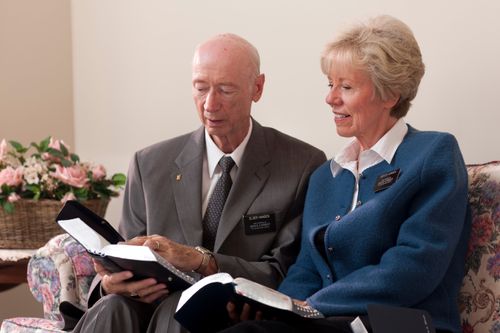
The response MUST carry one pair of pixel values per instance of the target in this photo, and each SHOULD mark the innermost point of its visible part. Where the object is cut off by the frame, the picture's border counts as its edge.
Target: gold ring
(157, 245)
(133, 295)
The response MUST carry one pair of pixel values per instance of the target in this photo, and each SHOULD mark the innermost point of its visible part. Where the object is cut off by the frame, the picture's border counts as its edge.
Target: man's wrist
(205, 261)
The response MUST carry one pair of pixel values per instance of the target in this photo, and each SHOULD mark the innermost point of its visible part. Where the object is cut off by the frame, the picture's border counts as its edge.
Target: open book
(202, 307)
(100, 240)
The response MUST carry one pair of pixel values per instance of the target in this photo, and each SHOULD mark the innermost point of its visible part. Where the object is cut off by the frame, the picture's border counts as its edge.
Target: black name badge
(259, 223)
(386, 180)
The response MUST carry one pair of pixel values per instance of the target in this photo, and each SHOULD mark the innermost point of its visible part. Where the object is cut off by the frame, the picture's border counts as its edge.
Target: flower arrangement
(48, 170)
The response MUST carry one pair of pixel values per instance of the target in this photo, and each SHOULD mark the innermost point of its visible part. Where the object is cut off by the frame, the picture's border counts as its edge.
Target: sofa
(62, 271)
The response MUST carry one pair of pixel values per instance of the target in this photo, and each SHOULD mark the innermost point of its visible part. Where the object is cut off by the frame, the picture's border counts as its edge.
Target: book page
(263, 294)
(134, 252)
(214, 278)
(84, 234)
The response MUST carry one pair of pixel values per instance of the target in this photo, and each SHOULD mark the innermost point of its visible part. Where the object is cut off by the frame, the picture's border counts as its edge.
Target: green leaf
(119, 179)
(8, 207)
(64, 150)
(37, 147)
(81, 193)
(75, 158)
(18, 147)
(66, 163)
(55, 152)
(33, 188)
(44, 144)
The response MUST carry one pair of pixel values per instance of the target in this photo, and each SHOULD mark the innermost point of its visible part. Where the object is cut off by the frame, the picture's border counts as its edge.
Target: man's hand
(184, 258)
(147, 290)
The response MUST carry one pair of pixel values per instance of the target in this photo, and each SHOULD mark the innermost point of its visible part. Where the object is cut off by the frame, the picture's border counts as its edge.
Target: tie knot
(226, 163)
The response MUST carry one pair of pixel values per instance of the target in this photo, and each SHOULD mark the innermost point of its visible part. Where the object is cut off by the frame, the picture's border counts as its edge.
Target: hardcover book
(100, 240)
(202, 307)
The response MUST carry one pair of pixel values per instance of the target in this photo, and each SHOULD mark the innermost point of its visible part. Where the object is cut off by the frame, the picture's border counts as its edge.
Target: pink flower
(68, 196)
(3, 149)
(74, 175)
(98, 172)
(55, 144)
(13, 197)
(11, 176)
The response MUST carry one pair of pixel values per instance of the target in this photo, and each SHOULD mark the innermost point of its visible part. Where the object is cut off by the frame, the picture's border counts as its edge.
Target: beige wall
(132, 69)
(35, 92)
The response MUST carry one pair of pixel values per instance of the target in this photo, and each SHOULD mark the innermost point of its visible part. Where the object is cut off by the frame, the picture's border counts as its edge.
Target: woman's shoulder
(429, 139)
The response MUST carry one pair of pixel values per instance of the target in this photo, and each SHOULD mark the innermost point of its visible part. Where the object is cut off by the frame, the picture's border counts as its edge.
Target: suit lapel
(187, 187)
(249, 181)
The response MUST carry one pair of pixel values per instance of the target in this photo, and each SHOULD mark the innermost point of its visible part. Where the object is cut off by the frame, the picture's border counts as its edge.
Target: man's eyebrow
(228, 84)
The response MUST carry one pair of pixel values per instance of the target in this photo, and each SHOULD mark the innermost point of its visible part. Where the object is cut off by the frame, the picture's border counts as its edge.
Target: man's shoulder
(166, 147)
(280, 140)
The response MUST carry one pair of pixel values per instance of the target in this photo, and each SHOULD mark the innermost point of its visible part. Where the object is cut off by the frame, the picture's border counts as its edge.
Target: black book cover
(101, 240)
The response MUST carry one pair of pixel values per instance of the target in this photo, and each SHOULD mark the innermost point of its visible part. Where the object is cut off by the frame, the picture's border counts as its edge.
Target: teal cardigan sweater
(402, 246)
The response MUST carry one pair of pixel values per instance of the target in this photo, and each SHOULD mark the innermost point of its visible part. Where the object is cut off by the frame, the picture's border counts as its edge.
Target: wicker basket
(33, 223)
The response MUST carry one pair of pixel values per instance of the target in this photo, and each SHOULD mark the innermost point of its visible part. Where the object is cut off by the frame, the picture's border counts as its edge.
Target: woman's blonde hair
(386, 48)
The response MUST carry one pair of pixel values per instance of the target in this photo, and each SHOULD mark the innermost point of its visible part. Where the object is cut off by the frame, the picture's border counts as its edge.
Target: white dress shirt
(211, 169)
(356, 161)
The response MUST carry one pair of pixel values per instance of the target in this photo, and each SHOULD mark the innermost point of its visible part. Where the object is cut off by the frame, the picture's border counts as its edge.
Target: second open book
(202, 307)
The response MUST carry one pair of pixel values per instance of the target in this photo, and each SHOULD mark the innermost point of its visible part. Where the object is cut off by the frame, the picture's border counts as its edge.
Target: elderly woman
(385, 221)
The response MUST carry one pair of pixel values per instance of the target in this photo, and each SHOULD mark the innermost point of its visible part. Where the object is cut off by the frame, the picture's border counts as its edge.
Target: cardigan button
(328, 276)
(330, 249)
(358, 203)
(337, 218)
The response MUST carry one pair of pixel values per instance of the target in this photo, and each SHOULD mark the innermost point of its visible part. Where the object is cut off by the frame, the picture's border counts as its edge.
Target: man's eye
(227, 92)
(346, 87)
(330, 85)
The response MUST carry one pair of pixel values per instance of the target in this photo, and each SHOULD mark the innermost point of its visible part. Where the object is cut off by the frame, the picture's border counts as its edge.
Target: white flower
(31, 175)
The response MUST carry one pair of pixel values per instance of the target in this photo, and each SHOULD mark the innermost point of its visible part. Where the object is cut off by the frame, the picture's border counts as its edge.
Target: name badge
(386, 180)
(259, 223)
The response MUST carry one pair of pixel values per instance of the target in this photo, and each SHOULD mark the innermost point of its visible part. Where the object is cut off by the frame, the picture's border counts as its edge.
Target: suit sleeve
(132, 222)
(272, 266)
(426, 244)
(133, 219)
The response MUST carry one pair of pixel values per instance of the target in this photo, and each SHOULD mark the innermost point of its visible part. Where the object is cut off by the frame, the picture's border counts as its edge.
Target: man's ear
(258, 87)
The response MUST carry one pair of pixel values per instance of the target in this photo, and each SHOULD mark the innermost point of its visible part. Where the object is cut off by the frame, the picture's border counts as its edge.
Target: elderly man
(226, 197)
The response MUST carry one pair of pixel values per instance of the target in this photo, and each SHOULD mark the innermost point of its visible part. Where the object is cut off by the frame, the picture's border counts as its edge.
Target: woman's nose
(333, 98)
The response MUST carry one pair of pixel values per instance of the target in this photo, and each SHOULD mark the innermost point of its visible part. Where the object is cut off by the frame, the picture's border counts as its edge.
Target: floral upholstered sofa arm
(60, 271)
(479, 298)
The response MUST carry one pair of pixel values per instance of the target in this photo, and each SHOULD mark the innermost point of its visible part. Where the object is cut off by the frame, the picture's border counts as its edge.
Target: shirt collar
(214, 154)
(384, 149)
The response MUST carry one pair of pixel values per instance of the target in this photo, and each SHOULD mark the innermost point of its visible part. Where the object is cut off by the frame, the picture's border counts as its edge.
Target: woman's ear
(391, 101)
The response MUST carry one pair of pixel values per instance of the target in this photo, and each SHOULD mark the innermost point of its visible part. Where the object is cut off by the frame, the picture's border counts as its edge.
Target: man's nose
(211, 103)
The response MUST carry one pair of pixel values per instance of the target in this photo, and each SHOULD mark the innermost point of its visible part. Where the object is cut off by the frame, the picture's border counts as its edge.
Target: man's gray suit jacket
(163, 196)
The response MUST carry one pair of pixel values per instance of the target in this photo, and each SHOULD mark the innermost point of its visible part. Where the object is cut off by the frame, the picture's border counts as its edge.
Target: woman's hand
(245, 313)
